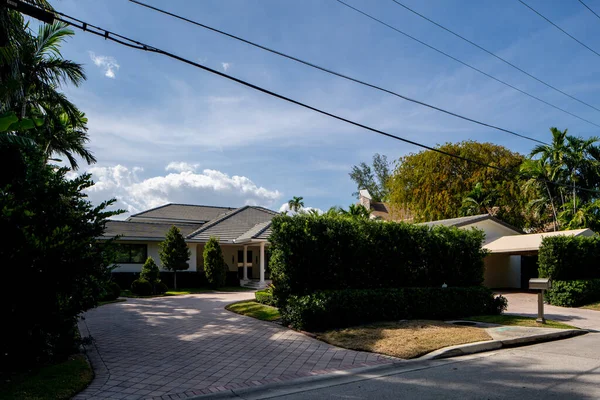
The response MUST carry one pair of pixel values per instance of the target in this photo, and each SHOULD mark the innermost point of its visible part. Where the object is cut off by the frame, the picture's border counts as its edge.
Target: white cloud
(211, 187)
(107, 63)
(226, 66)
(181, 166)
(286, 208)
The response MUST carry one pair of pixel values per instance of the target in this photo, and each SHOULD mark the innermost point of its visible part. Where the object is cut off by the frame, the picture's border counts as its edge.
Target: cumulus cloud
(181, 166)
(226, 66)
(285, 207)
(107, 63)
(210, 187)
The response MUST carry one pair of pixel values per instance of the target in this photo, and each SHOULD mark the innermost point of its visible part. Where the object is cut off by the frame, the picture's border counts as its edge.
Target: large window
(130, 253)
(241, 257)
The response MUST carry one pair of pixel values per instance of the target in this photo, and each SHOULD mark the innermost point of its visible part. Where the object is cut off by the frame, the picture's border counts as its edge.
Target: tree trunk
(175, 279)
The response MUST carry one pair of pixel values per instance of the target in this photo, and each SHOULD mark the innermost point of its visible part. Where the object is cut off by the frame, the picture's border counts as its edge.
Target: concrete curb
(436, 358)
(472, 348)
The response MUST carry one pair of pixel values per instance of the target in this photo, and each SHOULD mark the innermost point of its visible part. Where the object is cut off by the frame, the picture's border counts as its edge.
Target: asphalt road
(566, 369)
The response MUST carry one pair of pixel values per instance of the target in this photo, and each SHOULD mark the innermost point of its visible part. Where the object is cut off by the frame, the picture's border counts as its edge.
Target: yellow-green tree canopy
(434, 186)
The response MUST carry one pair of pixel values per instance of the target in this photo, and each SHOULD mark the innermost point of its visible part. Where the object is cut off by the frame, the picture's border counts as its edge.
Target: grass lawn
(54, 382)
(253, 309)
(516, 320)
(593, 306)
(404, 339)
(182, 291)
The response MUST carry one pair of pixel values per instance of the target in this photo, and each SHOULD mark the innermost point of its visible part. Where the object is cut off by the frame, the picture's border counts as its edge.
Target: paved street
(567, 369)
(190, 345)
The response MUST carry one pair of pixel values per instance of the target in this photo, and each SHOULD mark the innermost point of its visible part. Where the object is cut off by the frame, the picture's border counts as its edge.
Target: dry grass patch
(404, 339)
(593, 306)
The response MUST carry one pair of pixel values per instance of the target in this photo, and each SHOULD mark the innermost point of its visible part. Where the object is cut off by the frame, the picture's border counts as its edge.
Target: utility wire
(588, 7)
(497, 56)
(462, 62)
(338, 74)
(560, 29)
(108, 35)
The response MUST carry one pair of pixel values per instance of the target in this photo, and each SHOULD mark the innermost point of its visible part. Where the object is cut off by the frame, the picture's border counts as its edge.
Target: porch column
(262, 263)
(245, 263)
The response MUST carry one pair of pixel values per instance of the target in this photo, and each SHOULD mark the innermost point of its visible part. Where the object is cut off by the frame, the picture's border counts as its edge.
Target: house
(242, 233)
(381, 210)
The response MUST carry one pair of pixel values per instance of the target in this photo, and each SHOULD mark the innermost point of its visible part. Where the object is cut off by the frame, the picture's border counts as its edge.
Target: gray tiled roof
(462, 221)
(234, 224)
(183, 212)
(145, 230)
(258, 231)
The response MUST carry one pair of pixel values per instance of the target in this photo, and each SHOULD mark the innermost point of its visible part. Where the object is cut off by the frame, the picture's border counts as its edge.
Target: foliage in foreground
(342, 308)
(214, 263)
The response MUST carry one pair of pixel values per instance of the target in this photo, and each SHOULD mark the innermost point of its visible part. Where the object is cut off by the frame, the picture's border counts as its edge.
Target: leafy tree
(50, 247)
(296, 203)
(356, 211)
(373, 178)
(433, 186)
(479, 201)
(214, 263)
(150, 271)
(174, 253)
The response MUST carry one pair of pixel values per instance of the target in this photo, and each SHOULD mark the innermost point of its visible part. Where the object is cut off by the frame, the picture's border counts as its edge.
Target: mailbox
(540, 283)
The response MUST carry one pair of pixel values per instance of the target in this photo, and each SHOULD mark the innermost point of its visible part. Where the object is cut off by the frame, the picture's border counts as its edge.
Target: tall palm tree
(296, 203)
(535, 187)
(479, 201)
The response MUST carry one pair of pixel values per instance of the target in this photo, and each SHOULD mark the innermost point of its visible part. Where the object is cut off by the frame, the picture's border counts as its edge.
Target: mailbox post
(540, 284)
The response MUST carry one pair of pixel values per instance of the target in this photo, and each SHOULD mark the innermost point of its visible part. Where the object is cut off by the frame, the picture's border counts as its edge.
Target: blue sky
(163, 131)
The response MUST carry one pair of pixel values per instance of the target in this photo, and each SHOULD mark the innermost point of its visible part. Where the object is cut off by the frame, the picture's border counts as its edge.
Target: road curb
(479, 347)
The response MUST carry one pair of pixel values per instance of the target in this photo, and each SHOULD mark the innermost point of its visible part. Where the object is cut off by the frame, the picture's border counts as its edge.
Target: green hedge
(342, 308)
(566, 258)
(574, 293)
(327, 253)
(265, 297)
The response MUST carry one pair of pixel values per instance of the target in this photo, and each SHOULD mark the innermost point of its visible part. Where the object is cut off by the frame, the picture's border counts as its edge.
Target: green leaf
(6, 120)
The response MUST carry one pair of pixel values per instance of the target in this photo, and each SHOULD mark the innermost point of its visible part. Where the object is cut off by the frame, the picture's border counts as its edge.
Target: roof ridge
(265, 209)
(216, 221)
(199, 205)
(151, 209)
(263, 229)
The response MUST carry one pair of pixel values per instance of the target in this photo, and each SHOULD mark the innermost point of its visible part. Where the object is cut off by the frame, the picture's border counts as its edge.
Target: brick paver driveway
(178, 347)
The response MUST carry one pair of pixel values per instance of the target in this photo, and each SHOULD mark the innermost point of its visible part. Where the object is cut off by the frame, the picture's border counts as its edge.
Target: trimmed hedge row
(342, 308)
(185, 279)
(573, 293)
(311, 254)
(265, 297)
(566, 258)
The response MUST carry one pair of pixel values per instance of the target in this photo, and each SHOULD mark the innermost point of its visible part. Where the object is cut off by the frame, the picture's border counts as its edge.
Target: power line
(338, 74)
(560, 29)
(463, 63)
(588, 7)
(124, 40)
(497, 56)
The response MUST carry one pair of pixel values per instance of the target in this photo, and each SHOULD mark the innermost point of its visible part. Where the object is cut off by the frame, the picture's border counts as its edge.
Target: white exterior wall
(493, 230)
(502, 271)
(153, 250)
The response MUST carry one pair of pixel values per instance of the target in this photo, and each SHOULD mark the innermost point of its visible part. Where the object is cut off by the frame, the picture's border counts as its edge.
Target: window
(241, 257)
(130, 253)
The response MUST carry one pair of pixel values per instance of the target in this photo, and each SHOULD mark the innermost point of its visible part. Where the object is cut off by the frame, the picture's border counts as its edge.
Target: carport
(513, 259)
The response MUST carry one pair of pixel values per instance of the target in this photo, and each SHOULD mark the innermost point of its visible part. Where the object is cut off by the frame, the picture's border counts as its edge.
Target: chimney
(364, 198)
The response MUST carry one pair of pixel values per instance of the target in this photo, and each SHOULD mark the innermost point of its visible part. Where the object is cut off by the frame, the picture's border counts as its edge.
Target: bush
(214, 264)
(573, 293)
(112, 291)
(342, 308)
(310, 253)
(566, 258)
(160, 288)
(265, 296)
(141, 287)
(150, 271)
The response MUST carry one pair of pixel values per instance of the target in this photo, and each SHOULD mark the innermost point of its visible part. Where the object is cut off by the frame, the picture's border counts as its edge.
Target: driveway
(178, 347)
(526, 304)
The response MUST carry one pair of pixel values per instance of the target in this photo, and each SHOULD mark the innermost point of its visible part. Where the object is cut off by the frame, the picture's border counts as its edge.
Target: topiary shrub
(160, 288)
(150, 271)
(573, 293)
(141, 287)
(214, 263)
(265, 296)
(342, 308)
(111, 291)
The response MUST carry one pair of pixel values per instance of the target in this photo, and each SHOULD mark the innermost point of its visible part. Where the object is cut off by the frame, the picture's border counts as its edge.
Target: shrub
(141, 287)
(112, 291)
(174, 253)
(565, 258)
(310, 253)
(341, 308)
(160, 288)
(214, 264)
(573, 293)
(150, 271)
(265, 296)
